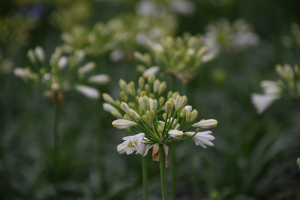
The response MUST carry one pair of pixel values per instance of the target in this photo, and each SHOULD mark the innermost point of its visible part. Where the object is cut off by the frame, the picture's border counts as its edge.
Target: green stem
(56, 147)
(173, 170)
(145, 177)
(162, 172)
(194, 175)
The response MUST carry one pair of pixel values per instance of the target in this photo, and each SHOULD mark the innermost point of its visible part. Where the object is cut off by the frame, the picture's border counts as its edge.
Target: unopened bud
(161, 101)
(123, 85)
(124, 96)
(180, 102)
(118, 104)
(147, 88)
(116, 114)
(165, 116)
(141, 68)
(144, 118)
(146, 102)
(188, 117)
(151, 78)
(31, 56)
(135, 115)
(150, 114)
(194, 115)
(142, 104)
(170, 93)
(168, 107)
(151, 95)
(127, 117)
(174, 95)
(125, 108)
(131, 105)
(40, 54)
(298, 162)
(108, 98)
(172, 101)
(131, 88)
(162, 88)
(155, 104)
(141, 83)
(156, 85)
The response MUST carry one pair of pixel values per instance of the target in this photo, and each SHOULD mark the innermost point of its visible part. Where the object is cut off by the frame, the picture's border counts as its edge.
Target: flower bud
(150, 115)
(131, 88)
(123, 85)
(180, 103)
(143, 93)
(40, 54)
(127, 117)
(31, 56)
(194, 115)
(144, 118)
(118, 104)
(183, 112)
(108, 98)
(151, 95)
(99, 79)
(168, 107)
(131, 105)
(135, 115)
(165, 116)
(124, 96)
(62, 62)
(147, 88)
(188, 117)
(151, 78)
(155, 104)
(151, 70)
(174, 95)
(122, 123)
(156, 85)
(89, 92)
(141, 68)
(162, 88)
(161, 101)
(210, 123)
(116, 114)
(170, 93)
(146, 102)
(142, 104)
(86, 68)
(125, 108)
(298, 162)
(141, 83)
(172, 101)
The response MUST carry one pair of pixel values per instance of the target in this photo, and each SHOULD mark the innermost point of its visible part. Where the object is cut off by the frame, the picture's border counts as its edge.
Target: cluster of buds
(289, 84)
(151, 120)
(237, 36)
(294, 38)
(63, 74)
(181, 57)
(120, 35)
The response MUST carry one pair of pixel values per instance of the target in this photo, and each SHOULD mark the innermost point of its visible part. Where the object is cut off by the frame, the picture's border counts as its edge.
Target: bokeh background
(254, 157)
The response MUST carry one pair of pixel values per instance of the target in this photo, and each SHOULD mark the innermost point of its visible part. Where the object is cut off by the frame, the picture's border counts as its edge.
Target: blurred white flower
(40, 54)
(146, 8)
(62, 62)
(263, 101)
(99, 79)
(116, 55)
(202, 138)
(86, 68)
(183, 7)
(151, 70)
(89, 92)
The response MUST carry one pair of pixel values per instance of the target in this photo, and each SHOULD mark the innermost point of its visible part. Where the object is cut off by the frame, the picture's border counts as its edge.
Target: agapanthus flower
(152, 121)
(63, 73)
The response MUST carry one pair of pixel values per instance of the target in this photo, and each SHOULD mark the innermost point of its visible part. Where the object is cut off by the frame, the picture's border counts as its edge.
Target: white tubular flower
(209, 123)
(88, 91)
(99, 79)
(263, 101)
(176, 134)
(125, 108)
(86, 68)
(151, 70)
(131, 143)
(202, 138)
(39, 53)
(122, 123)
(62, 62)
(108, 107)
(270, 87)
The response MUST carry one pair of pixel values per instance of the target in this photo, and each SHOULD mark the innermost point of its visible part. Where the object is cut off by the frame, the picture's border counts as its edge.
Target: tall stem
(162, 172)
(194, 175)
(55, 141)
(173, 156)
(145, 177)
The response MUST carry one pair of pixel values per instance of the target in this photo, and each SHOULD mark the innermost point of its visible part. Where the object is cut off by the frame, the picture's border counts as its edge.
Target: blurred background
(254, 157)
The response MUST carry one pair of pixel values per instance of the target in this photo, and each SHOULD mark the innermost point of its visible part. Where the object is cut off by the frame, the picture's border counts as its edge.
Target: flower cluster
(63, 74)
(237, 36)
(289, 84)
(152, 121)
(121, 35)
(181, 57)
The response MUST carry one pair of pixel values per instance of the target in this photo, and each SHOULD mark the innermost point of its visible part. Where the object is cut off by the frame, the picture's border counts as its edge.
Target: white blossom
(202, 138)
(99, 79)
(89, 92)
(122, 123)
(151, 70)
(209, 123)
(176, 134)
(131, 144)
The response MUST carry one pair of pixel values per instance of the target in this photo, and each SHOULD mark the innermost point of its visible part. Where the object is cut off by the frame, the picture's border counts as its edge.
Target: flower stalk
(145, 176)
(55, 144)
(163, 172)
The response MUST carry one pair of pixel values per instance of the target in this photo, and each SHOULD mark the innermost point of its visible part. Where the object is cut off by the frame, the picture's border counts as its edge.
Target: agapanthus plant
(63, 73)
(288, 86)
(154, 123)
(181, 57)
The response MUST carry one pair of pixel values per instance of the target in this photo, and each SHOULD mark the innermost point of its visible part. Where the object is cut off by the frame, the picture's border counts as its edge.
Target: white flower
(270, 87)
(86, 68)
(23, 73)
(39, 53)
(18, 72)
(209, 123)
(99, 79)
(151, 70)
(202, 138)
(263, 101)
(116, 55)
(176, 134)
(131, 143)
(122, 123)
(88, 91)
(183, 7)
(141, 149)
(62, 62)
(108, 107)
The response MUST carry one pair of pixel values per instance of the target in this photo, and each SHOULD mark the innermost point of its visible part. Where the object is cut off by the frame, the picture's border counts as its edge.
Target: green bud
(156, 85)
(175, 95)
(141, 83)
(183, 112)
(150, 114)
(116, 114)
(151, 78)
(188, 116)
(123, 85)
(146, 102)
(127, 117)
(172, 101)
(108, 98)
(168, 107)
(162, 87)
(165, 116)
(170, 93)
(142, 104)
(147, 88)
(131, 88)
(298, 162)
(296, 69)
(31, 56)
(141, 68)
(131, 105)
(43, 71)
(160, 129)
(118, 104)
(180, 102)
(135, 115)
(194, 115)
(161, 101)
(143, 93)
(155, 104)
(144, 118)
(124, 96)
(151, 95)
